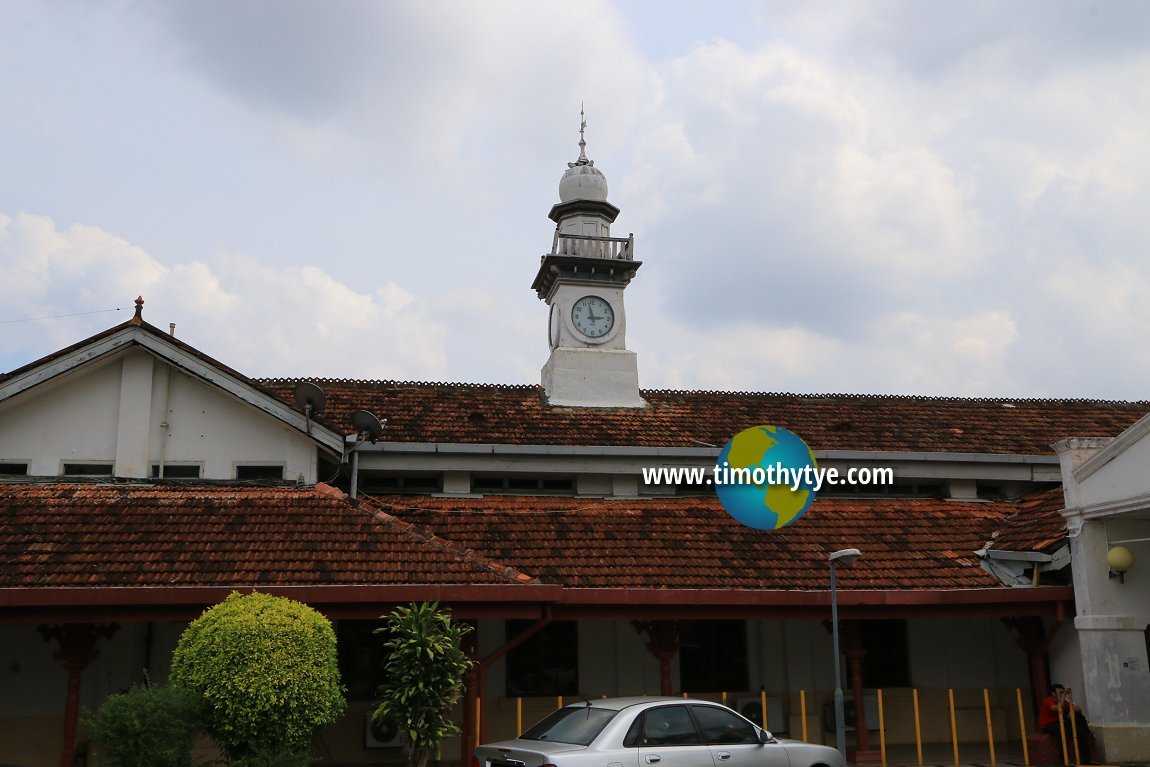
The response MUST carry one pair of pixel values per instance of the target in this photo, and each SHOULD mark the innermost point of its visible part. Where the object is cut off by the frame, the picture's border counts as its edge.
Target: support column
(77, 643)
(854, 651)
(663, 643)
(472, 686)
(1114, 653)
(1034, 639)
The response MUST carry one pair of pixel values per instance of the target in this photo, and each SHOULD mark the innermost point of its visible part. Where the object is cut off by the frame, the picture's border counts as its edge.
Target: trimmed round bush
(265, 670)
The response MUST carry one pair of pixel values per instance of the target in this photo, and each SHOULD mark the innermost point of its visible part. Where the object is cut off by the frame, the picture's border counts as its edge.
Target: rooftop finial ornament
(139, 316)
(582, 143)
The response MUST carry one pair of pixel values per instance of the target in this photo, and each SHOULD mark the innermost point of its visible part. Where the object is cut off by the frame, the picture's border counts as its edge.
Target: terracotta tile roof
(75, 535)
(479, 413)
(690, 543)
(1036, 525)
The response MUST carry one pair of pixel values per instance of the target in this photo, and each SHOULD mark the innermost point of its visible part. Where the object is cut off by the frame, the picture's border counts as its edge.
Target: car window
(669, 726)
(723, 727)
(573, 724)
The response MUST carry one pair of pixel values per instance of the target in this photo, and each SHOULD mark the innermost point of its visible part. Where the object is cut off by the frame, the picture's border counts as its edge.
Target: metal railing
(615, 248)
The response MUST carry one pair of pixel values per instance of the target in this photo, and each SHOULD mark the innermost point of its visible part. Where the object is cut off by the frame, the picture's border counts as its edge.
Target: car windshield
(577, 725)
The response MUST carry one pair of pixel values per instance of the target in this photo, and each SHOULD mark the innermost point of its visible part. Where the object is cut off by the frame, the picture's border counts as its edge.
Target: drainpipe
(354, 472)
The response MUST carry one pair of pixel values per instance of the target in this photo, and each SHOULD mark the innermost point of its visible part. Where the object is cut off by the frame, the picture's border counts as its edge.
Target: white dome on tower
(582, 181)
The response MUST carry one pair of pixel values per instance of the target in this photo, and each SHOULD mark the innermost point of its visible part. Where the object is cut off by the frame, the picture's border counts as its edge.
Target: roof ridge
(799, 396)
(426, 535)
(280, 380)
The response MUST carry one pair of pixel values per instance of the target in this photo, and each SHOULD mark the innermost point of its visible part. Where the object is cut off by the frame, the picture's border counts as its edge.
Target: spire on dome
(582, 142)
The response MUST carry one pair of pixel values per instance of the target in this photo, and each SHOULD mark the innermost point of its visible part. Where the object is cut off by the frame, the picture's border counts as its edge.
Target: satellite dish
(366, 425)
(310, 398)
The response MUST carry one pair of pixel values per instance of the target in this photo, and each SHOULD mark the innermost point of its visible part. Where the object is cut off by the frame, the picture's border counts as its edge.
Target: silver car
(641, 732)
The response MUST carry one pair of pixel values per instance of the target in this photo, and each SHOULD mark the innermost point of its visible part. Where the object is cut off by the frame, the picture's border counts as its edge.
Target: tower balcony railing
(616, 248)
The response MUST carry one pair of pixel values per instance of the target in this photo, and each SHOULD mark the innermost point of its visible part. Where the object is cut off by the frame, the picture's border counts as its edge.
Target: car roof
(618, 704)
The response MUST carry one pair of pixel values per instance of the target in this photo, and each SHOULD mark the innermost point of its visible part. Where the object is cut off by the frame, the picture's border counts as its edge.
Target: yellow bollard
(684, 696)
(803, 711)
(559, 701)
(917, 727)
(724, 698)
(953, 726)
(1073, 726)
(1022, 727)
(1062, 729)
(763, 707)
(518, 716)
(989, 724)
(881, 730)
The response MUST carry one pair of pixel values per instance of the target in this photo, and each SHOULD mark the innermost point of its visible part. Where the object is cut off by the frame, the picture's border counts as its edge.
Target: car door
(733, 741)
(666, 736)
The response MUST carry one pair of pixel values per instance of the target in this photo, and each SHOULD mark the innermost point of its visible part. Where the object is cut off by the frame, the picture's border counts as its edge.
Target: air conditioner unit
(752, 708)
(377, 735)
(870, 702)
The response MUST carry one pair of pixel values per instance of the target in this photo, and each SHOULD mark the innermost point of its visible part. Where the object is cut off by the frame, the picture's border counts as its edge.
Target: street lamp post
(843, 557)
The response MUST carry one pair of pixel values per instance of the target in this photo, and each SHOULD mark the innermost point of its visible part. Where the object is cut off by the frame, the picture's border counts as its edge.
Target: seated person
(1048, 722)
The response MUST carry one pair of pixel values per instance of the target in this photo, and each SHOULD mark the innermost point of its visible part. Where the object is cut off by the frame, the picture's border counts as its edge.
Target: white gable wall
(113, 411)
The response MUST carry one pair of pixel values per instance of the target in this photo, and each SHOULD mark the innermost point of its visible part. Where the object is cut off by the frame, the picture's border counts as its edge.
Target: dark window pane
(547, 663)
(713, 656)
(14, 469)
(361, 656)
(87, 470)
(723, 728)
(177, 471)
(259, 472)
(886, 661)
(579, 725)
(669, 726)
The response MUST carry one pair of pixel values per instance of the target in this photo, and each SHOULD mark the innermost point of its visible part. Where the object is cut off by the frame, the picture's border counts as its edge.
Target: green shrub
(146, 727)
(423, 678)
(265, 670)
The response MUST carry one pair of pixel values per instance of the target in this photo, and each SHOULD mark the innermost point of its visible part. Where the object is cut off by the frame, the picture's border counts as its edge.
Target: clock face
(553, 327)
(593, 316)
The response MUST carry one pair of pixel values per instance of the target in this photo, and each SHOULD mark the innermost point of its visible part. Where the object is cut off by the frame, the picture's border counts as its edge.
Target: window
(723, 728)
(669, 726)
(402, 483)
(909, 490)
(361, 657)
(14, 469)
(578, 725)
(886, 661)
(530, 485)
(256, 471)
(88, 469)
(177, 471)
(547, 663)
(713, 656)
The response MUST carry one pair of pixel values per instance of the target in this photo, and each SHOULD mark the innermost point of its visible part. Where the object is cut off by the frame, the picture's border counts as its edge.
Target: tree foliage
(265, 670)
(423, 677)
(146, 727)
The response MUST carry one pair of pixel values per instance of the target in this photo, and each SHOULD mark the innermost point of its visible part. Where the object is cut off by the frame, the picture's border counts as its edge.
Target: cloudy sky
(876, 197)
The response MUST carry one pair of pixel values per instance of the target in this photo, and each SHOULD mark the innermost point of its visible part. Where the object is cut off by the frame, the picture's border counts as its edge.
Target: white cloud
(263, 320)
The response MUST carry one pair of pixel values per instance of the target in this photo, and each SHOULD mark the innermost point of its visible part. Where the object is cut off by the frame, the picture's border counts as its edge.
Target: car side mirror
(765, 736)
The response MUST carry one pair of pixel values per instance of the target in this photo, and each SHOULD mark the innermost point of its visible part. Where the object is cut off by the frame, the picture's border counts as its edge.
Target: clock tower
(582, 280)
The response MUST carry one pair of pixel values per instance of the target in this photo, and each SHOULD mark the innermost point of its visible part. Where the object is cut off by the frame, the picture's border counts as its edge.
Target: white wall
(88, 414)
